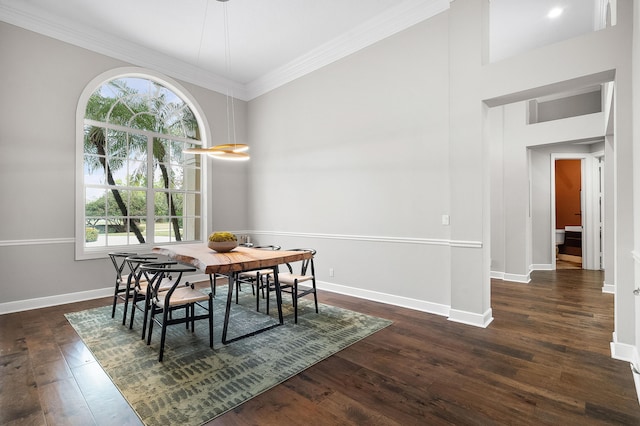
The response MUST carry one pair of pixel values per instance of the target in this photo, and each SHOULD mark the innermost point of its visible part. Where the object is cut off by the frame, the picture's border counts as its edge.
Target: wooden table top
(240, 259)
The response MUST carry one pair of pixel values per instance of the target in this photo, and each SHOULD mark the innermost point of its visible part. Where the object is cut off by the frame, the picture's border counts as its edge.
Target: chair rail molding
(39, 241)
(373, 238)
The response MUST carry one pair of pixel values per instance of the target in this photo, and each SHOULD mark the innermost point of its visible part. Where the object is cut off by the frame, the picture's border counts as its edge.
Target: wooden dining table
(230, 263)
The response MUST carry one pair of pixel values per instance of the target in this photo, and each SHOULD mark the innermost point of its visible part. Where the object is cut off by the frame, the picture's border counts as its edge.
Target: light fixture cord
(204, 22)
(231, 118)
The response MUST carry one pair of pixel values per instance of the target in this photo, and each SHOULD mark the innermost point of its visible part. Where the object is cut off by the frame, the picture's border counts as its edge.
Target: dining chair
(122, 276)
(141, 292)
(257, 278)
(289, 281)
(177, 298)
(132, 279)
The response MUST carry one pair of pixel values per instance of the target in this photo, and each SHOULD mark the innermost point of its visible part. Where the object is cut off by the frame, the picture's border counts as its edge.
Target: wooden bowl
(222, 246)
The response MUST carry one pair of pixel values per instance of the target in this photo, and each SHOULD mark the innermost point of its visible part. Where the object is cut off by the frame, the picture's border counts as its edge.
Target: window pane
(191, 205)
(161, 234)
(138, 147)
(94, 170)
(137, 173)
(117, 142)
(139, 225)
(117, 202)
(138, 203)
(177, 200)
(95, 202)
(161, 204)
(117, 162)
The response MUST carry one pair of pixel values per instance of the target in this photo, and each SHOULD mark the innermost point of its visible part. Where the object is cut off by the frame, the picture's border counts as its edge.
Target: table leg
(227, 312)
(276, 284)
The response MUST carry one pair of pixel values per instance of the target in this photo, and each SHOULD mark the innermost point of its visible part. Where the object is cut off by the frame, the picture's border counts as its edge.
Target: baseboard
(390, 299)
(525, 279)
(471, 318)
(623, 351)
(629, 353)
(608, 288)
(60, 299)
(517, 278)
(497, 275)
(542, 267)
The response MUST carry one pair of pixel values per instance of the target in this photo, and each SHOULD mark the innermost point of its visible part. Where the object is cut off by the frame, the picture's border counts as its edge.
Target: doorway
(576, 201)
(568, 212)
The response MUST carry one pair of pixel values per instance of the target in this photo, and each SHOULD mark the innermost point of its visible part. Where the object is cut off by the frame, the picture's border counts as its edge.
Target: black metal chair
(138, 286)
(177, 298)
(122, 277)
(289, 282)
(257, 278)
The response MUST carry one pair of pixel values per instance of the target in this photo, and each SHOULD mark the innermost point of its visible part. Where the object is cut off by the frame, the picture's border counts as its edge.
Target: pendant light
(231, 150)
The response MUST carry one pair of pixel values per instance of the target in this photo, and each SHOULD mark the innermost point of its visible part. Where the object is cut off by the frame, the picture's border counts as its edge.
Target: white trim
(91, 38)
(394, 20)
(34, 242)
(390, 299)
(401, 240)
(59, 299)
(623, 351)
(497, 275)
(372, 238)
(471, 318)
(542, 267)
(608, 288)
(517, 278)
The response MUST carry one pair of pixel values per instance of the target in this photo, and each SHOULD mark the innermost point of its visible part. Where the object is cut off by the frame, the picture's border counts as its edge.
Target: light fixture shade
(235, 147)
(197, 150)
(228, 155)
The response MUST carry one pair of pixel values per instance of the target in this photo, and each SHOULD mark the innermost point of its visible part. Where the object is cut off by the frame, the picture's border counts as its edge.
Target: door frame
(589, 206)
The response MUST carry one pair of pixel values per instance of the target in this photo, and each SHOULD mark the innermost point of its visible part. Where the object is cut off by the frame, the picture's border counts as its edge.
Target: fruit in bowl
(222, 242)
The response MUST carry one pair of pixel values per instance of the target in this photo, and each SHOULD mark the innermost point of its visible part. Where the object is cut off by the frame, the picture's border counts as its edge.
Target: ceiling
(270, 42)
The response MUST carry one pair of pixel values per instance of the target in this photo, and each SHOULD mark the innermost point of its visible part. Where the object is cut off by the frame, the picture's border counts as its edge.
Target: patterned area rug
(194, 383)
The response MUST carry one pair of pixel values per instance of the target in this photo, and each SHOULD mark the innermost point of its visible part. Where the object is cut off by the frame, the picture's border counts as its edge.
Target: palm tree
(152, 111)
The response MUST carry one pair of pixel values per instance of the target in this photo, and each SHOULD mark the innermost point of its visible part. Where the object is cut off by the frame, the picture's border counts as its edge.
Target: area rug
(194, 383)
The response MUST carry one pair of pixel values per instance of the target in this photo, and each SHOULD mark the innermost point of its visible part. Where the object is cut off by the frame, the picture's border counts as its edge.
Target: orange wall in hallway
(568, 182)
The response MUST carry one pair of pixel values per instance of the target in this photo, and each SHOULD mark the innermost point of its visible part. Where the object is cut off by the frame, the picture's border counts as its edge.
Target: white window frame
(81, 251)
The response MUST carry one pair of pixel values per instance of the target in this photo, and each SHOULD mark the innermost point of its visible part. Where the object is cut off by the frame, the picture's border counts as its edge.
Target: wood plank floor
(545, 360)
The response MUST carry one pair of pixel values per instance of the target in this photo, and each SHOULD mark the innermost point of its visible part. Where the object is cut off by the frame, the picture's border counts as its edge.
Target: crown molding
(115, 47)
(396, 19)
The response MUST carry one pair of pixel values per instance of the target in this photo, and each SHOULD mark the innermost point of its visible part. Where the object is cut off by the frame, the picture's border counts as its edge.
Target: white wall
(353, 161)
(41, 80)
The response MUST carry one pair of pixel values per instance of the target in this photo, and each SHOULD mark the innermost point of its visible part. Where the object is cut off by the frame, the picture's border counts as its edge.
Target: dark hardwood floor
(544, 360)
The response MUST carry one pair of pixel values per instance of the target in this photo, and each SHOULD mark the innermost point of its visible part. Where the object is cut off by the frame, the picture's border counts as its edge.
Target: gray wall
(357, 155)
(41, 80)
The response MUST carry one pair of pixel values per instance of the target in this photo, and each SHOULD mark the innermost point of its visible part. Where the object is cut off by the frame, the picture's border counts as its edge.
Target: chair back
(157, 271)
(119, 262)
(269, 247)
(305, 263)
(134, 263)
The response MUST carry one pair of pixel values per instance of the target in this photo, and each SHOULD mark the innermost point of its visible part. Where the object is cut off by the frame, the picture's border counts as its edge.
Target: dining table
(230, 263)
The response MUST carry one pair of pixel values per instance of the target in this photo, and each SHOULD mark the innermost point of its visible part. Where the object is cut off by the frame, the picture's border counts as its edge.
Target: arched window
(137, 186)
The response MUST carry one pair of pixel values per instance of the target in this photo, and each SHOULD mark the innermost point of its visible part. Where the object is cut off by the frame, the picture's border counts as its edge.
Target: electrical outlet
(330, 272)
(445, 219)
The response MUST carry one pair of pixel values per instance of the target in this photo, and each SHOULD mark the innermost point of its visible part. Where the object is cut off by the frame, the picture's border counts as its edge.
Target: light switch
(445, 219)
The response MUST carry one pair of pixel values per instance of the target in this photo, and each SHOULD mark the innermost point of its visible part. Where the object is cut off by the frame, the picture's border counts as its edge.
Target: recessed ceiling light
(555, 12)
